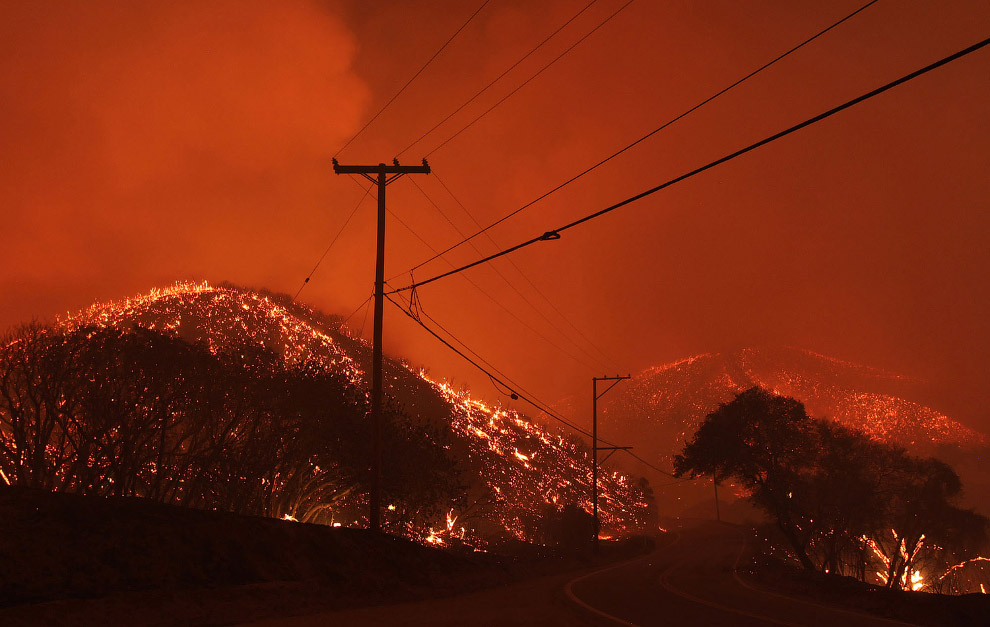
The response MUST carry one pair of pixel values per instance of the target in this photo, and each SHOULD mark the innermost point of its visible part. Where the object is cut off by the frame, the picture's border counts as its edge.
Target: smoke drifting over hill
(145, 143)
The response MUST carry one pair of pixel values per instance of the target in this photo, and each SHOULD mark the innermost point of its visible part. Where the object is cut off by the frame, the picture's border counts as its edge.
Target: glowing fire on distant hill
(664, 405)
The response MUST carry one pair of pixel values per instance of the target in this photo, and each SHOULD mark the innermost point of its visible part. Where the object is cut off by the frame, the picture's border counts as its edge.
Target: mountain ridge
(520, 470)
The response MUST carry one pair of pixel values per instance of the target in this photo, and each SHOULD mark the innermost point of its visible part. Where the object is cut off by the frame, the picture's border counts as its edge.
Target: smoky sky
(145, 143)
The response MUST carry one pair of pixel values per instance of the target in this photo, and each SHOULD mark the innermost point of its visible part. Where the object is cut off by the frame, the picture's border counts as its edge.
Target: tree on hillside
(845, 504)
(844, 497)
(764, 441)
(105, 411)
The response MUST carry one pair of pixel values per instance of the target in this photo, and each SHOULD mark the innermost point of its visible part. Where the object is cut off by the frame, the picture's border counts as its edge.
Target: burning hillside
(668, 402)
(516, 471)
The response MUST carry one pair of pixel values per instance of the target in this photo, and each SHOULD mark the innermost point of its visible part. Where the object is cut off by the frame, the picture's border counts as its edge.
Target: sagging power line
(332, 242)
(518, 292)
(644, 137)
(414, 76)
(491, 371)
(567, 319)
(554, 234)
(530, 79)
(496, 79)
(517, 390)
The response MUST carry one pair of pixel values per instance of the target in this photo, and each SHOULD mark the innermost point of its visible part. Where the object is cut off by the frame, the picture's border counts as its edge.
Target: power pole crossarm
(395, 168)
(379, 175)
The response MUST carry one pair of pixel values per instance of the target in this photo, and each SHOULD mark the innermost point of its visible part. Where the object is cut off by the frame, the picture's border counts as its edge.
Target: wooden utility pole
(594, 443)
(384, 174)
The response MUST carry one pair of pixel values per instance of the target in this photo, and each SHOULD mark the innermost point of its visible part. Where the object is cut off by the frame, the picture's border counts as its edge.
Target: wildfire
(552, 470)
(663, 405)
(434, 539)
(524, 467)
(956, 567)
(222, 317)
(917, 582)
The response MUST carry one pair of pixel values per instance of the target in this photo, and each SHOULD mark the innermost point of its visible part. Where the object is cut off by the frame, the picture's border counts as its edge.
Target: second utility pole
(594, 443)
(377, 390)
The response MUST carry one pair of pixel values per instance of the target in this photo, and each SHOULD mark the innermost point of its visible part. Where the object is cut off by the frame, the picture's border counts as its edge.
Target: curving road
(689, 580)
(693, 581)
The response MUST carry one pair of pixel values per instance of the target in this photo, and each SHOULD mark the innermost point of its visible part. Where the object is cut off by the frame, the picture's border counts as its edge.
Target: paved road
(693, 581)
(689, 580)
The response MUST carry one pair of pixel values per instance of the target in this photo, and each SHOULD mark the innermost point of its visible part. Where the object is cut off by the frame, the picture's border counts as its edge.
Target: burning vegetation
(843, 502)
(225, 398)
(667, 403)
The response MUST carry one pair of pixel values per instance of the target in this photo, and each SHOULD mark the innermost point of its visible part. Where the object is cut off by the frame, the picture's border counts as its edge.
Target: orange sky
(145, 143)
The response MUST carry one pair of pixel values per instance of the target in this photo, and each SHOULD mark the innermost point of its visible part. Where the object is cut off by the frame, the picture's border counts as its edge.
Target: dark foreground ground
(72, 560)
(698, 575)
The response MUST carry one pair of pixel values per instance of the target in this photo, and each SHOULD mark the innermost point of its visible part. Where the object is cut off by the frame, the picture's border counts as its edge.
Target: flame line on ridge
(538, 406)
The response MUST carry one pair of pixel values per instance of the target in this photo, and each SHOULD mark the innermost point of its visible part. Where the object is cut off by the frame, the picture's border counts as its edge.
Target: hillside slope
(517, 470)
(668, 402)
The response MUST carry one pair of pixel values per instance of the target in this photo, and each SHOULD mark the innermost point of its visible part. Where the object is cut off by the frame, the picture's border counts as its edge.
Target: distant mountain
(517, 470)
(661, 407)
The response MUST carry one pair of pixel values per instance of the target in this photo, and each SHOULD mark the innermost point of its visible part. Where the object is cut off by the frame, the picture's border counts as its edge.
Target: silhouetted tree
(143, 413)
(844, 497)
(842, 501)
(764, 441)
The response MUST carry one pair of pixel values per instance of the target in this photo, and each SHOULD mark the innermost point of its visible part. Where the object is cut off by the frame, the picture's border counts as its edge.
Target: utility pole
(594, 443)
(382, 178)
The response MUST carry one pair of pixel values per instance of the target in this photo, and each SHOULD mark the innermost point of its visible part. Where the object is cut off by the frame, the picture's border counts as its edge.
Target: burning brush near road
(223, 398)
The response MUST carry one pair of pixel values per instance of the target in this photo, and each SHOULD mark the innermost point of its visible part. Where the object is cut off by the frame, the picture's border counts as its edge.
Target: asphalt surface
(693, 581)
(690, 579)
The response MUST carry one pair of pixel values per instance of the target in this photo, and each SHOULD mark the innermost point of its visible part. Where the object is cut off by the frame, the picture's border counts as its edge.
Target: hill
(517, 473)
(661, 407)
(669, 401)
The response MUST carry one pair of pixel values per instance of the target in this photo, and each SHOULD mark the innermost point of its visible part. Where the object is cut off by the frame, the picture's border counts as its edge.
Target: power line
(513, 287)
(496, 79)
(494, 300)
(648, 135)
(539, 405)
(565, 318)
(364, 322)
(409, 82)
(510, 385)
(555, 233)
(530, 79)
(365, 301)
(399, 220)
(503, 380)
(332, 242)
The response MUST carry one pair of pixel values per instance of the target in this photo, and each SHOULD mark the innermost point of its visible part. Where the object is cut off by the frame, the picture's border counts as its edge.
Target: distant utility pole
(594, 443)
(381, 179)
